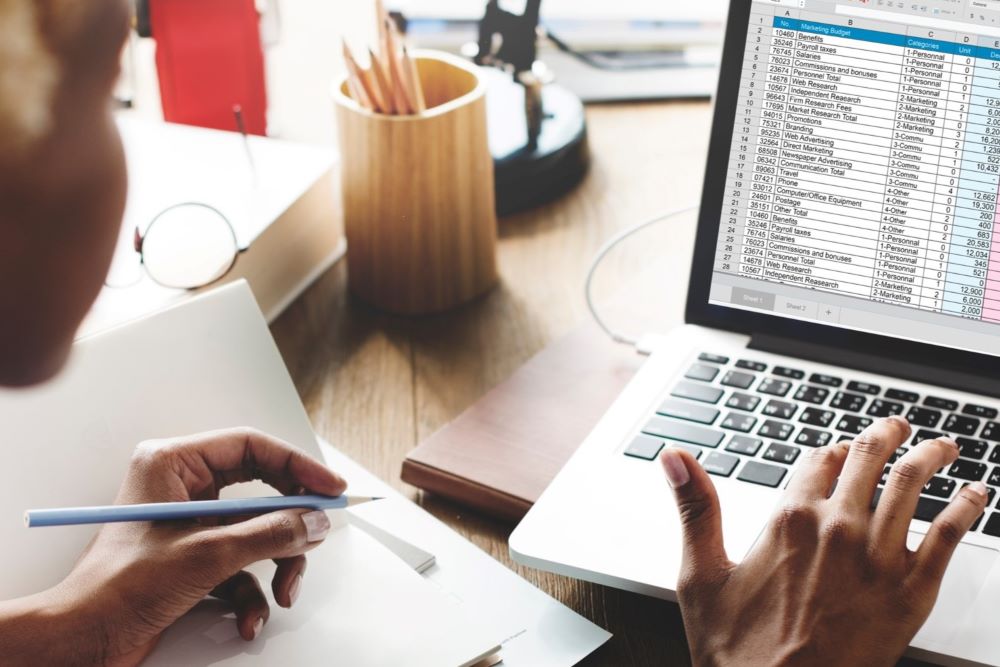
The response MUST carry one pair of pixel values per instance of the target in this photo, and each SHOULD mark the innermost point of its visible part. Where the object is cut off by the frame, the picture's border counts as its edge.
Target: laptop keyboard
(745, 419)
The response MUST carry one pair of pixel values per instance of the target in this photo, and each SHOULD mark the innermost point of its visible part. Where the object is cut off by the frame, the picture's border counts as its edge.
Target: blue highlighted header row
(892, 39)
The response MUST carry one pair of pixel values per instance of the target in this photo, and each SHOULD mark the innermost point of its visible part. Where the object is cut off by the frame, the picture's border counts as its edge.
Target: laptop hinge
(926, 373)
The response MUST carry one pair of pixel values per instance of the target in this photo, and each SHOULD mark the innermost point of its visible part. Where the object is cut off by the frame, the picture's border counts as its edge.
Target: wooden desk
(376, 386)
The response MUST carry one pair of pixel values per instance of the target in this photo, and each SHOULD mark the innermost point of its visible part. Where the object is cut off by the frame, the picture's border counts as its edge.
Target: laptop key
(644, 447)
(995, 455)
(697, 392)
(923, 434)
(780, 409)
(880, 408)
(751, 365)
(939, 487)
(902, 395)
(720, 464)
(745, 402)
(992, 526)
(683, 432)
(979, 411)
(774, 387)
(991, 432)
(843, 400)
(775, 430)
(898, 454)
(815, 417)
(791, 373)
(737, 422)
(864, 388)
(941, 403)
(970, 471)
(853, 425)
(816, 395)
(825, 380)
(973, 449)
(713, 358)
(696, 452)
(927, 508)
(782, 453)
(692, 412)
(961, 425)
(756, 472)
(810, 437)
(702, 372)
(923, 417)
(994, 478)
(738, 379)
(743, 444)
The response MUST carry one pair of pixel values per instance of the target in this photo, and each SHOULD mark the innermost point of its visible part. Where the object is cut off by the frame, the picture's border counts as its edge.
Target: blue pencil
(192, 509)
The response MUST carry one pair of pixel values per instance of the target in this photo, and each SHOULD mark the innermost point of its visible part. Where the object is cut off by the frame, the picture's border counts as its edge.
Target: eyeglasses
(186, 246)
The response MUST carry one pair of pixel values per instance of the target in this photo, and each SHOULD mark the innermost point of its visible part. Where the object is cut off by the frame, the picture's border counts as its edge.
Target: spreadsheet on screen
(864, 171)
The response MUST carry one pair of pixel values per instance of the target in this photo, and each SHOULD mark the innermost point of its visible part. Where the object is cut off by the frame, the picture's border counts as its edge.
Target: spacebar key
(671, 430)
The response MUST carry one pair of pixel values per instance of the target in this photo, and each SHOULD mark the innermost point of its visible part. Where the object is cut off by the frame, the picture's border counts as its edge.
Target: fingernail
(899, 419)
(677, 473)
(317, 525)
(258, 625)
(979, 489)
(293, 590)
(949, 440)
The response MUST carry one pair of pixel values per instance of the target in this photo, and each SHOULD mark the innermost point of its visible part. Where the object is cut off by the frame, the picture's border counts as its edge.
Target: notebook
(185, 370)
(211, 363)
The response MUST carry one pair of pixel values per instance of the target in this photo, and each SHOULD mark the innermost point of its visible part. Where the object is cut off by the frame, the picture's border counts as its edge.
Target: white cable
(599, 257)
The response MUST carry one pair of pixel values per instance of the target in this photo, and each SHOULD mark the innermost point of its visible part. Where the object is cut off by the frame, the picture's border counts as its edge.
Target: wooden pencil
(403, 96)
(381, 16)
(383, 84)
(358, 92)
(365, 81)
(413, 82)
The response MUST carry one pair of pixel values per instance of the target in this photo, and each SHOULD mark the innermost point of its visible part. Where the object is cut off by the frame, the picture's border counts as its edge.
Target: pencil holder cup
(418, 194)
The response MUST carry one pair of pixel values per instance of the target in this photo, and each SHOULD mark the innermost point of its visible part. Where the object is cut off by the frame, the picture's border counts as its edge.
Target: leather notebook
(500, 454)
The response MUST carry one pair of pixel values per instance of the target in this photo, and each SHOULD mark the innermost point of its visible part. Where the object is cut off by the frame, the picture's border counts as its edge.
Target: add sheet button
(796, 307)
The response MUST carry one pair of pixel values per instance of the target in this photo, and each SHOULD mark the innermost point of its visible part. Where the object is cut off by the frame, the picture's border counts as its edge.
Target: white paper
(359, 605)
(537, 629)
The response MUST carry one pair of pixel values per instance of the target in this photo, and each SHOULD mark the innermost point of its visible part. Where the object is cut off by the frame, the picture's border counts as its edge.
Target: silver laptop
(846, 268)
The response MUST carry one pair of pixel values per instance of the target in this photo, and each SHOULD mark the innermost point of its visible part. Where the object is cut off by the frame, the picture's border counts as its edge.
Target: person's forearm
(43, 630)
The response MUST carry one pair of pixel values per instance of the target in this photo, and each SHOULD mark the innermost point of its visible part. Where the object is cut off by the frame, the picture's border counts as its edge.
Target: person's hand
(829, 581)
(136, 579)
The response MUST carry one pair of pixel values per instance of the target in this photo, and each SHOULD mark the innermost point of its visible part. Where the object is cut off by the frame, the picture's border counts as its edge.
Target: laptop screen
(862, 182)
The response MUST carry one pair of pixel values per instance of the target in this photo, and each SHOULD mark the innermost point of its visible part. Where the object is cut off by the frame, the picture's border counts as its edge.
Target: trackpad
(964, 580)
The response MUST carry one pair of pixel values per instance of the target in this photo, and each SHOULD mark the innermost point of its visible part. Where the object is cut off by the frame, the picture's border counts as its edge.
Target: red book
(209, 59)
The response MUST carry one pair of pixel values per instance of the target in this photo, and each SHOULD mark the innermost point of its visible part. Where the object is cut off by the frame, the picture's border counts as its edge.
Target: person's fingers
(277, 535)
(287, 580)
(216, 459)
(907, 478)
(701, 518)
(866, 459)
(243, 591)
(817, 473)
(947, 531)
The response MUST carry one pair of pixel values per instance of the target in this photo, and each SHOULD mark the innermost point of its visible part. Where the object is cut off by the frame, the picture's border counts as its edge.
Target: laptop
(846, 268)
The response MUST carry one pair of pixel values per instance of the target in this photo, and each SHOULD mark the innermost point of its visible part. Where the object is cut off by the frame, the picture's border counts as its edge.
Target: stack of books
(282, 199)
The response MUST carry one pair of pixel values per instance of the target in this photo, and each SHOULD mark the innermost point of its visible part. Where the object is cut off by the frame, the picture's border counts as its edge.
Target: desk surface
(376, 385)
